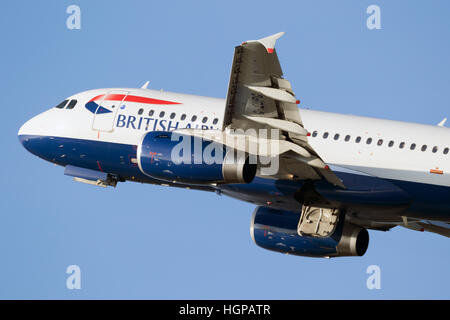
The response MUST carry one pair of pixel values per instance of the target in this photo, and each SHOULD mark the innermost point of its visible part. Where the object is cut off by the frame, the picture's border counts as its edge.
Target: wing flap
(260, 98)
(284, 125)
(275, 94)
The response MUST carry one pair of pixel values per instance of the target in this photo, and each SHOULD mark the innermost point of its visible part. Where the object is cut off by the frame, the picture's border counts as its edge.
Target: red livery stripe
(129, 98)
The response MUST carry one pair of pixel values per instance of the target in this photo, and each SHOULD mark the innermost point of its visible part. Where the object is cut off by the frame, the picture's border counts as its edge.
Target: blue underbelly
(361, 190)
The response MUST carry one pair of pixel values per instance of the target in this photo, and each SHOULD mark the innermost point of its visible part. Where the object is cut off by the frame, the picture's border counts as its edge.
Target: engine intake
(276, 230)
(182, 158)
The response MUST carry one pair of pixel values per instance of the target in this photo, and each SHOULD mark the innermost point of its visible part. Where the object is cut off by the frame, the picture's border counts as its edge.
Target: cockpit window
(62, 104)
(71, 104)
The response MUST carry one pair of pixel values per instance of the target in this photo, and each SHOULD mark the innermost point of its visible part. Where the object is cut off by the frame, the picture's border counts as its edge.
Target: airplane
(319, 181)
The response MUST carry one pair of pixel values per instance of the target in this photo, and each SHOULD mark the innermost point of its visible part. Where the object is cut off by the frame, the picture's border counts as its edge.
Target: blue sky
(142, 241)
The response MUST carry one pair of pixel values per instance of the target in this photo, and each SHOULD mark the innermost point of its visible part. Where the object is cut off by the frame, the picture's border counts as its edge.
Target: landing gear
(317, 218)
(110, 180)
(317, 222)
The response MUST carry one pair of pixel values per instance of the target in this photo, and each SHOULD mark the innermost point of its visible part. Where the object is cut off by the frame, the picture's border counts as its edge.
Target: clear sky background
(143, 241)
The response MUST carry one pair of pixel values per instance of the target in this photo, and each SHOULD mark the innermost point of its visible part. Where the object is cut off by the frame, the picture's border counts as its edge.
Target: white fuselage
(126, 125)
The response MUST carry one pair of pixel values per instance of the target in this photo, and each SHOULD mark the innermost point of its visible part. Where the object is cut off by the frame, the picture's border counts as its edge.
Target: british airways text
(152, 124)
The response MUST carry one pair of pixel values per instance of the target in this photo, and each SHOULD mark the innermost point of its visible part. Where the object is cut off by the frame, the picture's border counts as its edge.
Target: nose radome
(35, 134)
(25, 129)
(23, 134)
(22, 129)
(31, 138)
(34, 126)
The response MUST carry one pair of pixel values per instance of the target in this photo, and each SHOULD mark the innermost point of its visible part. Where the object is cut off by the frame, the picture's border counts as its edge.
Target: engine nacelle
(276, 230)
(182, 158)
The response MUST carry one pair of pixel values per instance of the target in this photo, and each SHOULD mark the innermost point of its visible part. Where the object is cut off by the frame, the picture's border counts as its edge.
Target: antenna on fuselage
(442, 123)
(145, 85)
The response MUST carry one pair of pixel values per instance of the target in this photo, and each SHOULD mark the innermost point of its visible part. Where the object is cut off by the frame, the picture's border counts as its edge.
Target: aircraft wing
(260, 98)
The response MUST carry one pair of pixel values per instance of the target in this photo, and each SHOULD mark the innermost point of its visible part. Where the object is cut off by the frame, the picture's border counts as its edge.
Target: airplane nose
(24, 133)
(33, 127)
(35, 138)
(26, 129)
(29, 135)
(21, 131)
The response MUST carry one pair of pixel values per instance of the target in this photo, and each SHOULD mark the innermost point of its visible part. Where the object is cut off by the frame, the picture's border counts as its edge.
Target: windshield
(62, 104)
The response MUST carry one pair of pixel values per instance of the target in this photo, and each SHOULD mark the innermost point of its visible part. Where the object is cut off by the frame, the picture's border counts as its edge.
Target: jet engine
(277, 230)
(181, 158)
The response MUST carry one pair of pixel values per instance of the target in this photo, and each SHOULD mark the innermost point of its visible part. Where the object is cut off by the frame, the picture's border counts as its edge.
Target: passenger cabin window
(369, 140)
(401, 145)
(445, 150)
(435, 149)
(151, 112)
(325, 135)
(204, 119)
(172, 115)
(194, 118)
(424, 148)
(413, 146)
(161, 114)
(336, 136)
(347, 138)
(314, 134)
(215, 121)
(391, 143)
(62, 104)
(380, 142)
(358, 139)
(141, 111)
(183, 116)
